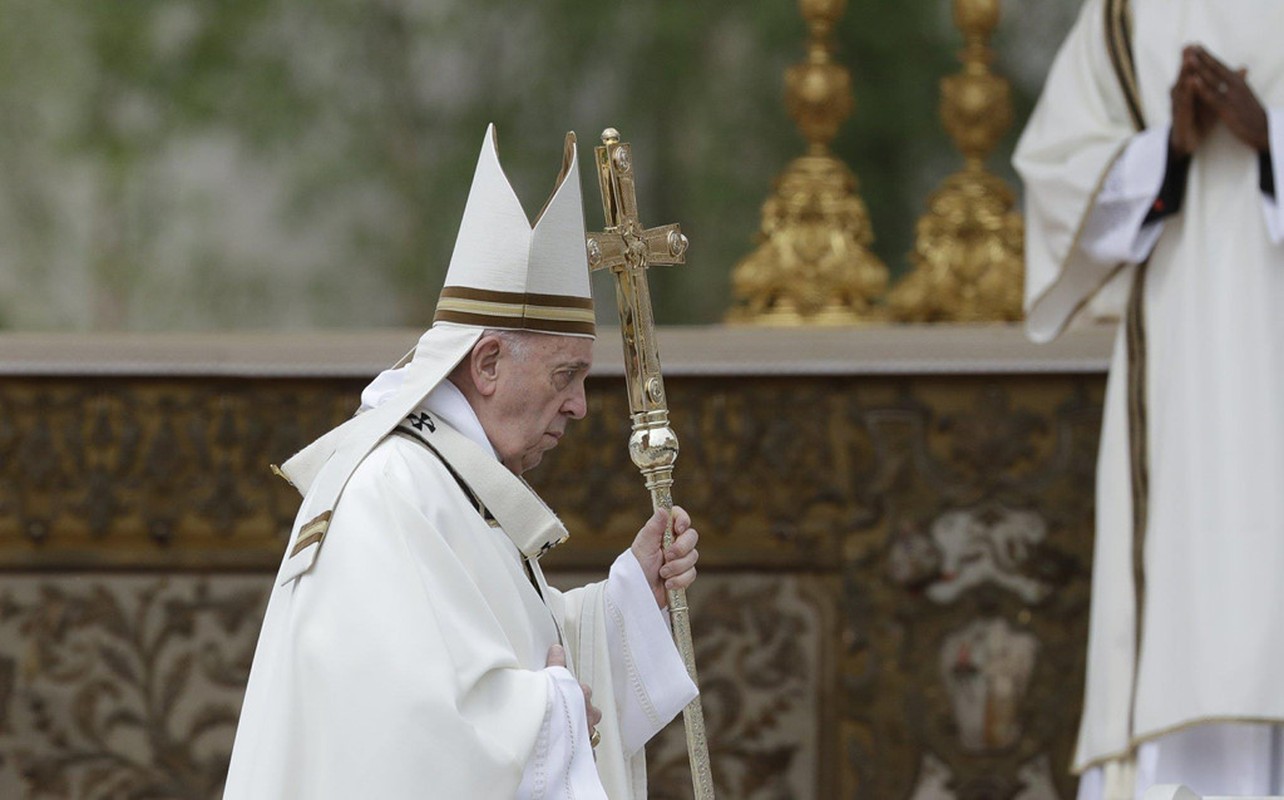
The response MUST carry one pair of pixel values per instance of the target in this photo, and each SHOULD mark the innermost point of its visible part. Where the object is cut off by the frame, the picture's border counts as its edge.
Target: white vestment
(409, 661)
(1210, 647)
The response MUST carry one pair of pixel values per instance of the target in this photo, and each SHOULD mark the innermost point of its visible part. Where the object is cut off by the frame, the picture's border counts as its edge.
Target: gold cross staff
(628, 249)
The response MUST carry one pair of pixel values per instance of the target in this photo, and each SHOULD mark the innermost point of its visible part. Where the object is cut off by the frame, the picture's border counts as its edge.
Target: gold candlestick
(970, 243)
(813, 265)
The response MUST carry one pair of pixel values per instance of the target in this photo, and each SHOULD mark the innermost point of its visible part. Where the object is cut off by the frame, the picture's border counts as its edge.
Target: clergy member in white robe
(1159, 140)
(411, 647)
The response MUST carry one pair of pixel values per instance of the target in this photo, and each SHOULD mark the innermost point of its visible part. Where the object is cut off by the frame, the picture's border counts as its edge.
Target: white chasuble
(409, 660)
(1206, 644)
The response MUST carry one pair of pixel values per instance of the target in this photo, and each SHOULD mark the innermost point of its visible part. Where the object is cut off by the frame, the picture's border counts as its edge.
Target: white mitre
(505, 273)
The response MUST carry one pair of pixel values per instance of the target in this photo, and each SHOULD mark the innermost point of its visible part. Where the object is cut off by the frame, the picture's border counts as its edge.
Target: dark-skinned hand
(1227, 93)
(1192, 118)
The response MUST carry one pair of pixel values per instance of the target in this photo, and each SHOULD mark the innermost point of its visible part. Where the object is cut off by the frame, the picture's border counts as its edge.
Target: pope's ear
(483, 365)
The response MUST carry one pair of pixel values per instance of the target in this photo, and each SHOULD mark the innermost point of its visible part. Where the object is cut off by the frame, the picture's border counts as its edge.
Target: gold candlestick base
(813, 265)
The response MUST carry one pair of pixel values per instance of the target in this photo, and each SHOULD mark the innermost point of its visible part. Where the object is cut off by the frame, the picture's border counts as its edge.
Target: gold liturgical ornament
(813, 265)
(628, 249)
(969, 246)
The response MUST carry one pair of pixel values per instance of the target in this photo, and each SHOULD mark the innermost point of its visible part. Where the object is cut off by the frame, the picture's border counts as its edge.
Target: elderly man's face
(538, 391)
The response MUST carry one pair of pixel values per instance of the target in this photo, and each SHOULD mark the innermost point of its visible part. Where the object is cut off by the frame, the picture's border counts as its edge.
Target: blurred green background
(291, 164)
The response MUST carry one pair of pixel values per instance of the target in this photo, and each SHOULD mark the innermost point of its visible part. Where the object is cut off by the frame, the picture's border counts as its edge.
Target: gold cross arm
(626, 244)
(629, 249)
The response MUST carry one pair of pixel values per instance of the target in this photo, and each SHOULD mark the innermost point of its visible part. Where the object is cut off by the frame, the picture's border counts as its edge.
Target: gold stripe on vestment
(1119, 43)
(312, 532)
(1139, 455)
(1136, 741)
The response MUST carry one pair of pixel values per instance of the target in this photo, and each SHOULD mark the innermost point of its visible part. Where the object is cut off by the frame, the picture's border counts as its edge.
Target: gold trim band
(519, 298)
(521, 310)
(515, 311)
(1135, 741)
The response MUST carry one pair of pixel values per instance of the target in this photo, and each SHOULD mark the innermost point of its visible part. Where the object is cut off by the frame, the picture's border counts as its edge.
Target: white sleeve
(1114, 232)
(641, 647)
(655, 690)
(1271, 205)
(563, 764)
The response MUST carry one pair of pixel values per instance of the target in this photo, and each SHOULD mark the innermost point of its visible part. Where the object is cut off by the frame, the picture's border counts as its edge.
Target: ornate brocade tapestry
(892, 602)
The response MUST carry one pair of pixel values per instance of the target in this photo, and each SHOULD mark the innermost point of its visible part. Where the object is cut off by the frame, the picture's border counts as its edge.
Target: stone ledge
(691, 350)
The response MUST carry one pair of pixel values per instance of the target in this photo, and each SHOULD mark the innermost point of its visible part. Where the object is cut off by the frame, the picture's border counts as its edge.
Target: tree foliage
(177, 164)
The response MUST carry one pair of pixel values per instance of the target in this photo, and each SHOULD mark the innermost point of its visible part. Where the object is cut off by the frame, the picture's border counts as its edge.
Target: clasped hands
(1206, 90)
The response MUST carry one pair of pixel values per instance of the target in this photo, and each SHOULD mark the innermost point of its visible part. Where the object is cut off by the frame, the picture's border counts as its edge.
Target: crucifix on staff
(628, 249)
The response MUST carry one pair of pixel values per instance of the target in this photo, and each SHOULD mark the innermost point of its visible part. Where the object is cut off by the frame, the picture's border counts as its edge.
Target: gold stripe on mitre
(549, 313)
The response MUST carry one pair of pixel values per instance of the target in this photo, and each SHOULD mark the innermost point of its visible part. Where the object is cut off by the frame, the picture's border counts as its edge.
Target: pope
(412, 647)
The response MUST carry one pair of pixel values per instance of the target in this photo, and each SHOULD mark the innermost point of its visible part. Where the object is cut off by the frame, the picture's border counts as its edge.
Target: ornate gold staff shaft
(628, 249)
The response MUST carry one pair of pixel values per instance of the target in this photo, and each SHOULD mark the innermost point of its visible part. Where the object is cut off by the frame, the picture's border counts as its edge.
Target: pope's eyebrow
(574, 365)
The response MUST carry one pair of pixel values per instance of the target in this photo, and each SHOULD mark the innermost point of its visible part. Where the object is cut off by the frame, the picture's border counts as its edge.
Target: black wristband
(1266, 173)
(1168, 201)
